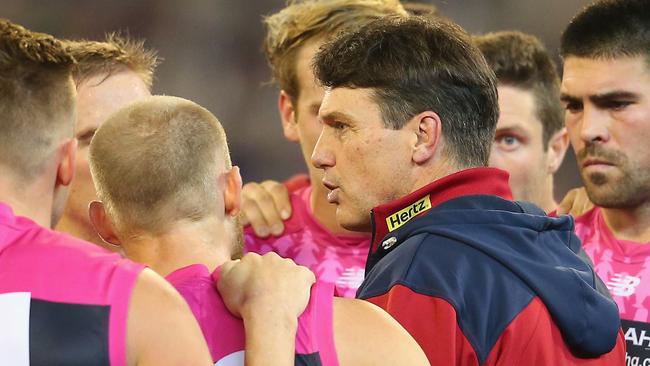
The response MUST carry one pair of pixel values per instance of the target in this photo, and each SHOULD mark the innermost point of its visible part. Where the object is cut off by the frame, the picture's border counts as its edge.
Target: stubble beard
(630, 188)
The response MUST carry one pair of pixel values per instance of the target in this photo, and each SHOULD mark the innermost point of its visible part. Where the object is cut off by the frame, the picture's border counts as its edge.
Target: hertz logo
(404, 215)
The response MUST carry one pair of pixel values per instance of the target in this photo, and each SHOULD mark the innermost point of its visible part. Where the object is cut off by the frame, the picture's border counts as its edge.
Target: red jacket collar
(484, 181)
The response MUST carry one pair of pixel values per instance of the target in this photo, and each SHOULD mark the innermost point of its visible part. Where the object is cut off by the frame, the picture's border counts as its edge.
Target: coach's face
(608, 118)
(364, 162)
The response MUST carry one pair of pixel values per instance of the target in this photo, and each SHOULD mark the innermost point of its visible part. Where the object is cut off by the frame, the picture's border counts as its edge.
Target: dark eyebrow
(566, 98)
(602, 99)
(337, 116)
(511, 129)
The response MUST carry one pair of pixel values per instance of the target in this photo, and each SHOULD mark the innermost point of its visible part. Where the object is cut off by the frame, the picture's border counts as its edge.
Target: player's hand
(265, 206)
(575, 203)
(265, 286)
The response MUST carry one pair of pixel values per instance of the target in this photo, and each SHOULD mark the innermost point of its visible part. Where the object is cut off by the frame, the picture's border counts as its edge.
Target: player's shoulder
(588, 218)
(51, 248)
(195, 283)
(192, 275)
(56, 267)
(590, 228)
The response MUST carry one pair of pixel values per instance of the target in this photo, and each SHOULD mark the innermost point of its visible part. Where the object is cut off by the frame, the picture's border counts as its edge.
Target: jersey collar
(474, 181)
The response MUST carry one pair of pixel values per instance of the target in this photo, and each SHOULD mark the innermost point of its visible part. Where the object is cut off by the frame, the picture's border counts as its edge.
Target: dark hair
(520, 60)
(414, 65)
(608, 29)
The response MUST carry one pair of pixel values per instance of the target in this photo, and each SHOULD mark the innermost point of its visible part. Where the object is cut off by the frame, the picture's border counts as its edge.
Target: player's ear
(428, 129)
(288, 116)
(65, 170)
(556, 149)
(232, 191)
(101, 223)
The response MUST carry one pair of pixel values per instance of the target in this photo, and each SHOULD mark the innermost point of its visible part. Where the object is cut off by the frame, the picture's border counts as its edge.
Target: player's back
(224, 333)
(62, 300)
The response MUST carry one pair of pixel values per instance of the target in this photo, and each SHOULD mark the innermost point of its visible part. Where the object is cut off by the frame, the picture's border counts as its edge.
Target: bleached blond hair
(157, 161)
(301, 21)
(115, 53)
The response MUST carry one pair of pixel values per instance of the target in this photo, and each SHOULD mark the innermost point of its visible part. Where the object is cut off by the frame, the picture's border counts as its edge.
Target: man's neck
(629, 224)
(81, 231)
(206, 242)
(427, 174)
(549, 204)
(30, 201)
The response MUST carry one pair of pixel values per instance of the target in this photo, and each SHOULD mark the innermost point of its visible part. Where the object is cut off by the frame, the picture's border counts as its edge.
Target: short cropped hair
(37, 99)
(302, 21)
(609, 29)
(156, 162)
(413, 65)
(114, 54)
(520, 60)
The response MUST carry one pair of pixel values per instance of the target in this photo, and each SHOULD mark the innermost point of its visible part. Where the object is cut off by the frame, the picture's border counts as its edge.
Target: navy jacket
(491, 261)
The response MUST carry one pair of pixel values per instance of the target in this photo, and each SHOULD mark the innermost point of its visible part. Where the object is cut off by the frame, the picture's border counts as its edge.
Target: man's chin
(606, 195)
(353, 222)
(599, 179)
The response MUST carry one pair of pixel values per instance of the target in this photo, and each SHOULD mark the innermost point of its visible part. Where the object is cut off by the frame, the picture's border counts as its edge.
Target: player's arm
(161, 329)
(269, 336)
(364, 334)
(575, 203)
(265, 206)
(269, 293)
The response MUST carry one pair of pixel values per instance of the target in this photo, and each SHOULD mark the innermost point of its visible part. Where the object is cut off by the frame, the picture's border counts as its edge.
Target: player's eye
(508, 142)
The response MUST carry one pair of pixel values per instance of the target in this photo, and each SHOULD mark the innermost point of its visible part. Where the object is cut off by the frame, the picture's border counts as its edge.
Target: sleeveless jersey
(62, 301)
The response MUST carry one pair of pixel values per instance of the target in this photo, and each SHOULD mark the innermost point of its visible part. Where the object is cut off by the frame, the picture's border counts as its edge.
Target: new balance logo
(622, 285)
(404, 215)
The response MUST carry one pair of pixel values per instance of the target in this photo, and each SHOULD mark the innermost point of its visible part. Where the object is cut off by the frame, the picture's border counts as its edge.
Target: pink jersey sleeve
(315, 336)
(224, 333)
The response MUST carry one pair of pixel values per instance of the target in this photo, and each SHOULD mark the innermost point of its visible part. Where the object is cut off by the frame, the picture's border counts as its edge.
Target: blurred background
(212, 55)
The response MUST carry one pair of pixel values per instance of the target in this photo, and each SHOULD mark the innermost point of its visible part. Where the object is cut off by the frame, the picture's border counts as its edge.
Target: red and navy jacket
(478, 279)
